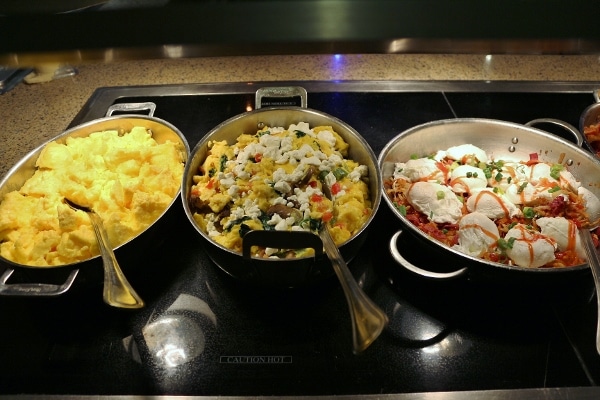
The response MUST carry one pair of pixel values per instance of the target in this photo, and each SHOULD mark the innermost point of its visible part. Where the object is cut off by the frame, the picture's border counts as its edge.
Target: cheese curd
(129, 180)
(273, 180)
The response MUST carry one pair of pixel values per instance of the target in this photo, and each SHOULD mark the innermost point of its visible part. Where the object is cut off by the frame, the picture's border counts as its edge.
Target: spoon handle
(594, 263)
(368, 320)
(117, 290)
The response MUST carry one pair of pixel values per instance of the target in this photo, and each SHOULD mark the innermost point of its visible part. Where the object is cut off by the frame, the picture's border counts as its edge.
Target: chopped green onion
(522, 187)
(528, 212)
(402, 209)
(504, 244)
(554, 189)
(440, 194)
(340, 173)
(555, 170)
(488, 172)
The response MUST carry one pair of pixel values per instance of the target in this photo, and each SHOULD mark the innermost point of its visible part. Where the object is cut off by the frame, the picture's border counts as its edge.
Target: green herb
(440, 194)
(222, 162)
(244, 229)
(322, 175)
(469, 174)
(414, 156)
(487, 172)
(211, 172)
(236, 222)
(259, 134)
(498, 177)
(264, 220)
(401, 208)
(299, 134)
(504, 244)
(528, 212)
(340, 173)
(554, 189)
(312, 224)
(522, 187)
(555, 170)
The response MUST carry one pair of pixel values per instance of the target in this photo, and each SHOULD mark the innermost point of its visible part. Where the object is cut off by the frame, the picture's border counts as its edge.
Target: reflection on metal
(579, 393)
(177, 336)
(197, 29)
(174, 340)
(396, 46)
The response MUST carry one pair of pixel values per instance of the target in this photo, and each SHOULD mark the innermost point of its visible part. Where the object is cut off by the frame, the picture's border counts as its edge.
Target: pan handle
(419, 271)
(132, 107)
(562, 124)
(285, 92)
(281, 240)
(34, 289)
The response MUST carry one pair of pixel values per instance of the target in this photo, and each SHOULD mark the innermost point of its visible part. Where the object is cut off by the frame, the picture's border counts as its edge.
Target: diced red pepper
(257, 157)
(210, 184)
(336, 188)
(327, 215)
(316, 198)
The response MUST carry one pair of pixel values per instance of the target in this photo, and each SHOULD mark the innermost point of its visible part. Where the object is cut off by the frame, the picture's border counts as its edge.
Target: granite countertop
(31, 114)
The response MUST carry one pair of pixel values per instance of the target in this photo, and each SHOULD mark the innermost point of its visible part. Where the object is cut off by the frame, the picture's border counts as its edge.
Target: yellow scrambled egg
(129, 180)
(273, 180)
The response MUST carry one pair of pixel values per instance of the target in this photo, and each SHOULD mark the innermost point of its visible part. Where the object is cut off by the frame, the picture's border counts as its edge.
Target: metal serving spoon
(594, 263)
(117, 291)
(368, 320)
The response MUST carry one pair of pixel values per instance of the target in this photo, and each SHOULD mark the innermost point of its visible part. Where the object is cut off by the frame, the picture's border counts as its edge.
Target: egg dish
(516, 212)
(128, 179)
(273, 179)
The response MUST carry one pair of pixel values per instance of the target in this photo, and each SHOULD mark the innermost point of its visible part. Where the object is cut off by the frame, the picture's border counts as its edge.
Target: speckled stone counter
(30, 114)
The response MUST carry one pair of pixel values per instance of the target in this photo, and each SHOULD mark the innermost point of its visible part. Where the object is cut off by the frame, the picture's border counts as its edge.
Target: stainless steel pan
(281, 272)
(25, 168)
(499, 139)
(590, 116)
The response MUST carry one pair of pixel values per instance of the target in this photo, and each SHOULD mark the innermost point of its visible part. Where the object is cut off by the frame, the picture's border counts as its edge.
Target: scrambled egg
(129, 180)
(273, 180)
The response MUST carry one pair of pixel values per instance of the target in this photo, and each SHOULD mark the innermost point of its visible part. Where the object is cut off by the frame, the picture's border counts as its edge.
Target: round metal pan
(590, 116)
(500, 139)
(281, 273)
(162, 131)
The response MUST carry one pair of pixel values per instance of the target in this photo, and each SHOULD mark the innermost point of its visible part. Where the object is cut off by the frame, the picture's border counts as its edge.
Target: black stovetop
(203, 333)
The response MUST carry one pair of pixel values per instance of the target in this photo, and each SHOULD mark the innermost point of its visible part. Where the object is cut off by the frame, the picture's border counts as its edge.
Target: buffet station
(386, 228)
(218, 289)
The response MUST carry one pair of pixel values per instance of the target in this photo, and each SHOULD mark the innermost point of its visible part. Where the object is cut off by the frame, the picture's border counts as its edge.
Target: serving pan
(500, 140)
(162, 131)
(590, 116)
(281, 273)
